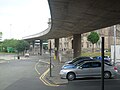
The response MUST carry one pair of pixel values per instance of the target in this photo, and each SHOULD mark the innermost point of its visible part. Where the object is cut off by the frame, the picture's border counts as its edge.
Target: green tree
(22, 45)
(93, 38)
(9, 43)
(1, 33)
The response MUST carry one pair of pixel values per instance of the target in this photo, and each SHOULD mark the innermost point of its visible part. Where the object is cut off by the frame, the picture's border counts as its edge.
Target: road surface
(22, 75)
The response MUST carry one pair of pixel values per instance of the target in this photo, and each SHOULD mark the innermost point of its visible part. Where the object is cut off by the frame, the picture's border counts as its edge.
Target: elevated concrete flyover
(73, 17)
(70, 17)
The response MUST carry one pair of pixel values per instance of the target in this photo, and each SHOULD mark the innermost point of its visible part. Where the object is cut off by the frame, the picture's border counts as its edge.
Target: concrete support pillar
(33, 47)
(56, 47)
(77, 45)
(41, 47)
(28, 49)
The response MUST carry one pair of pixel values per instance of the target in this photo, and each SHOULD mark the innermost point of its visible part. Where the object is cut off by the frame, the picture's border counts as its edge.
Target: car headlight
(62, 72)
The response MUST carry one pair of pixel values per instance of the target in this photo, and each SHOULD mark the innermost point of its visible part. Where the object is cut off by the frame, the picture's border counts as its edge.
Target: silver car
(88, 69)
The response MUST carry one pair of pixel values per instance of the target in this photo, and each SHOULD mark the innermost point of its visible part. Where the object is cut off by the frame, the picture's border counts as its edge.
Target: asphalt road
(21, 75)
(93, 84)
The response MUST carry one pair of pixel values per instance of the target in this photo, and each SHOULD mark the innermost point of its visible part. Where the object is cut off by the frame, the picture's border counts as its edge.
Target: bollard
(18, 57)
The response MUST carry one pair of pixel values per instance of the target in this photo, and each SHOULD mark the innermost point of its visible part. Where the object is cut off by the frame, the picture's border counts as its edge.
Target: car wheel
(107, 75)
(70, 76)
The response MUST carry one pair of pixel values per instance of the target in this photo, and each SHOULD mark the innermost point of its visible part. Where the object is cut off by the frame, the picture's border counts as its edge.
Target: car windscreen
(74, 60)
(79, 58)
(81, 61)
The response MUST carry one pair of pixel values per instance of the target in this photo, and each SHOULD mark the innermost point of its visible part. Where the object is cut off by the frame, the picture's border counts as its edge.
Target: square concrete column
(56, 47)
(33, 46)
(41, 46)
(77, 45)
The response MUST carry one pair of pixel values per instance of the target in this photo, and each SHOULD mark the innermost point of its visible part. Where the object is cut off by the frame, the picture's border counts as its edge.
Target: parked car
(27, 54)
(77, 59)
(117, 64)
(73, 63)
(88, 69)
(106, 58)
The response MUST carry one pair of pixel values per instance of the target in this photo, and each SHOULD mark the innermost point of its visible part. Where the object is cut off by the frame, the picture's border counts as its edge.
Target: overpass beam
(56, 47)
(41, 46)
(77, 45)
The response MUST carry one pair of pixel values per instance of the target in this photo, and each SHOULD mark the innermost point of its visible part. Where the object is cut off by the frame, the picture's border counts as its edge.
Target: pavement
(55, 77)
(10, 57)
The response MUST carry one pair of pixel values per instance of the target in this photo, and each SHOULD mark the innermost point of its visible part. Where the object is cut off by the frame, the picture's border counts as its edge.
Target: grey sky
(19, 18)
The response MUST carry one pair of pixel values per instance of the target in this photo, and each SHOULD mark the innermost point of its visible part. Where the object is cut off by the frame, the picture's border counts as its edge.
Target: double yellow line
(42, 77)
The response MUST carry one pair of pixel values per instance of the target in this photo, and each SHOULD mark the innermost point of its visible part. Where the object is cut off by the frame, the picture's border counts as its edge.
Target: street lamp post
(10, 30)
(102, 64)
(114, 44)
(50, 60)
